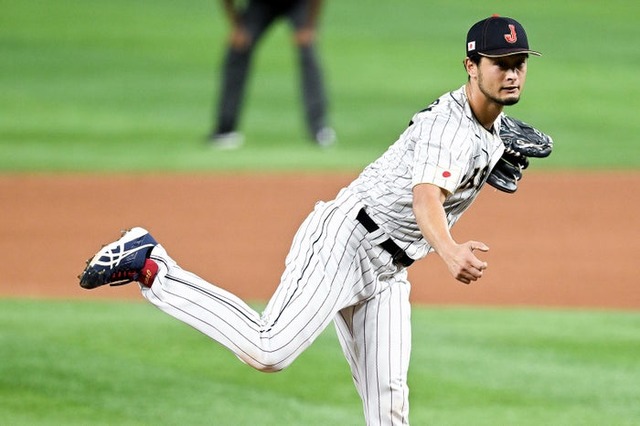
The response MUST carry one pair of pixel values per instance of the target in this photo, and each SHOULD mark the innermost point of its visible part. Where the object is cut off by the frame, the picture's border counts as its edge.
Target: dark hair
(475, 58)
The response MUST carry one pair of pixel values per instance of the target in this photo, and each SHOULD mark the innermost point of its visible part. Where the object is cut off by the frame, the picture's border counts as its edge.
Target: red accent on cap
(446, 174)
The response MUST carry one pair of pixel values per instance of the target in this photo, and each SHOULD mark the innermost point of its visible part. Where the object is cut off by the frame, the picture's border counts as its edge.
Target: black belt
(399, 255)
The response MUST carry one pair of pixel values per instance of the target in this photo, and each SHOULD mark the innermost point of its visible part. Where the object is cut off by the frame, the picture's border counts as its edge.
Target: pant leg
(376, 339)
(313, 91)
(328, 268)
(257, 17)
(311, 77)
(232, 89)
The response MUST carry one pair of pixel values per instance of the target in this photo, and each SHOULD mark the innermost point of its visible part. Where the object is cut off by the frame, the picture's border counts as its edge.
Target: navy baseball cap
(497, 36)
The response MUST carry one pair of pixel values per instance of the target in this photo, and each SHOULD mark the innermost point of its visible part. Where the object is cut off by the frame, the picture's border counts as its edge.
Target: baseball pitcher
(348, 261)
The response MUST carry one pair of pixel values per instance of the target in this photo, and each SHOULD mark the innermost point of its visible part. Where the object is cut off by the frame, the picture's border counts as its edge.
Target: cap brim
(508, 52)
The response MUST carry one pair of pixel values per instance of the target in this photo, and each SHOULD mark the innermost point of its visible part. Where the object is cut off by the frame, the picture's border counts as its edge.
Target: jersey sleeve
(440, 157)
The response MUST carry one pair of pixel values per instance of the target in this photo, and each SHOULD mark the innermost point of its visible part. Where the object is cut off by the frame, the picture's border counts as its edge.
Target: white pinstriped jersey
(337, 271)
(444, 145)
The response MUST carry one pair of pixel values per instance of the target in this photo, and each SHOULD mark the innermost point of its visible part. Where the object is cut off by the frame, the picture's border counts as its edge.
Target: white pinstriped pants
(333, 273)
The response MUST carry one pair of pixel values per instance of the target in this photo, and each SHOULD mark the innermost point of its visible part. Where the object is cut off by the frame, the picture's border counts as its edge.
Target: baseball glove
(521, 141)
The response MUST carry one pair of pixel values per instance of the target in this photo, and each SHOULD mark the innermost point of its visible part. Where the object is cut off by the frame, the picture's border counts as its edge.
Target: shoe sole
(114, 258)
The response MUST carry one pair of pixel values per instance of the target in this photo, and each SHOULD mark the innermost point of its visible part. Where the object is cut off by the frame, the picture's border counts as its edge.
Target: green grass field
(128, 86)
(121, 85)
(107, 363)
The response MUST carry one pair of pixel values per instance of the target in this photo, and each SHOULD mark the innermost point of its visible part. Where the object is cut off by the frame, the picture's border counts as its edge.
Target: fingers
(477, 263)
(463, 280)
(467, 276)
(477, 267)
(477, 245)
(473, 268)
(463, 263)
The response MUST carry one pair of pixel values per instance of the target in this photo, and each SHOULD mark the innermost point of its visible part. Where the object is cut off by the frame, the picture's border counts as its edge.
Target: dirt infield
(562, 240)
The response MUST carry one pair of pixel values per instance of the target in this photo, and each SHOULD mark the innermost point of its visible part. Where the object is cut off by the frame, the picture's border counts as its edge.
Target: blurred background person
(249, 21)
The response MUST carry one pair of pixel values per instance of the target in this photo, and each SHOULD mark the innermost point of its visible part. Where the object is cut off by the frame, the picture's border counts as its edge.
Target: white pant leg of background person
(328, 268)
(376, 339)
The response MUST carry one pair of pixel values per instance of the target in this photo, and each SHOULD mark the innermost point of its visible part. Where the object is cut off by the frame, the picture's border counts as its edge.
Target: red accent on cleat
(148, 273)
